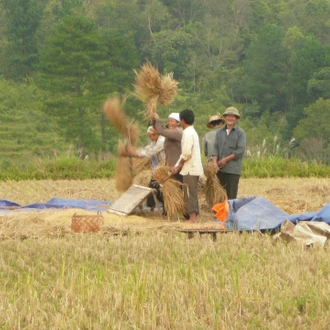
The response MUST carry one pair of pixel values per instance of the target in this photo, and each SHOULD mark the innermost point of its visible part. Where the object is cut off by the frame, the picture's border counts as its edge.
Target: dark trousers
(230, 182)
(190, 193)
(159, 195)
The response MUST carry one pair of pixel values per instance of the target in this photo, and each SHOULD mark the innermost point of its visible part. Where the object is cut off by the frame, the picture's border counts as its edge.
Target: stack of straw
(214, 192)
(172, 192)
(152, 88)
(113, 109)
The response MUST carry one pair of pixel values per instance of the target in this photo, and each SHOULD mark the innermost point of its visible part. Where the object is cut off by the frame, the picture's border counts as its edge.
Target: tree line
(270, 59)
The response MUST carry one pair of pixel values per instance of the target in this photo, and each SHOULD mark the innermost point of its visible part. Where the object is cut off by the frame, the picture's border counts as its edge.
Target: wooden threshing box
(130, 199)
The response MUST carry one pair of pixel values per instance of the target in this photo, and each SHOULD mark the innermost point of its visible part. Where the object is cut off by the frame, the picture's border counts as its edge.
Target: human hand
(175, 170)
(129, 149)
(155, 115)
(222, 163)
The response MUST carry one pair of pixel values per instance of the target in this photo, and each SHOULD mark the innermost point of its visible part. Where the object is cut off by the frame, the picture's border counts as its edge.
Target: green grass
(283, 167)
(163, 281)
(56, 168)
(71, 167)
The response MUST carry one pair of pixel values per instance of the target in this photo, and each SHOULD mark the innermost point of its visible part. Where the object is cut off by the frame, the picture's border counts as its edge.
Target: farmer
(215, 122)
(229, 147)
(189, 164)
(173, 137)
(155, 151)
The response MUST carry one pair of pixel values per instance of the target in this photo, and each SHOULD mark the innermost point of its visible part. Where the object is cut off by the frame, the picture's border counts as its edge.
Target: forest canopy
(270, 59)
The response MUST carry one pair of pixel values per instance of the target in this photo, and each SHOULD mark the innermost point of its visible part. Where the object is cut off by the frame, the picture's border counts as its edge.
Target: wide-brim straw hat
(214, 118)
(232, 111)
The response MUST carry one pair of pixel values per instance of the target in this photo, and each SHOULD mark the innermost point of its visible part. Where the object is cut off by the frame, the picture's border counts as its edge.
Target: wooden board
(129, 200)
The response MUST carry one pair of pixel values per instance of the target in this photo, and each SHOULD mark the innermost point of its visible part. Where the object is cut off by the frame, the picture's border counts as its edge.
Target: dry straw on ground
(172, 191)
(214, 192)
(151, 88)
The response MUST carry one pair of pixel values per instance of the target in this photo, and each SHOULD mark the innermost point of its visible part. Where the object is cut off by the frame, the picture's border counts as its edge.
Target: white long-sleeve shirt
(154, 150)
(191, 153)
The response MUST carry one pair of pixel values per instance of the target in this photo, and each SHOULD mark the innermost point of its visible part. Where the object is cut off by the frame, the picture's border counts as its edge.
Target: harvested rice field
(139, 272)
(293, 196)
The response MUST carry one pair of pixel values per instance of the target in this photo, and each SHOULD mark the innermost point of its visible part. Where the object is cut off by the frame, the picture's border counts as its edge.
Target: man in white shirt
(189, 164)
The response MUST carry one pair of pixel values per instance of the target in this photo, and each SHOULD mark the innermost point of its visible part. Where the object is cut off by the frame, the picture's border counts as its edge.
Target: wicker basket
(87, 223)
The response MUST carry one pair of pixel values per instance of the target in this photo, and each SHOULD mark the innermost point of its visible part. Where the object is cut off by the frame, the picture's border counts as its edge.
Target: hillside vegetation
(61, 59)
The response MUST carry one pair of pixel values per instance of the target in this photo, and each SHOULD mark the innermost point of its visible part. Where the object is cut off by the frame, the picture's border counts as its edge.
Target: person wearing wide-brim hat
(228, 151)
(215, 122)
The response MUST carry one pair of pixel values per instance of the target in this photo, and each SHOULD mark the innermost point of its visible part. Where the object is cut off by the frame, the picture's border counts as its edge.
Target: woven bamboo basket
(87, 223)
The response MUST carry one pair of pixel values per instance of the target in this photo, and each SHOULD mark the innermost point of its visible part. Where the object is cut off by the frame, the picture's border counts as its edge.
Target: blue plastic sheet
(59, 203)
(246, 214)
(254, 213)
(321, 215)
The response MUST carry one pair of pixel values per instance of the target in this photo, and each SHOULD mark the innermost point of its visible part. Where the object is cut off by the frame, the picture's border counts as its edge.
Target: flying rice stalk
(214, 192)
(172, 192)
(113, 109)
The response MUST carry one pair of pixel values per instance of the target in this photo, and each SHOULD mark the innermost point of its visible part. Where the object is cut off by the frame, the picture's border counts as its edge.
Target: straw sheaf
(214, 192)
(113, 109)
(172, 191)
(169, 89)
(124, 170)
(151, 88)
(143, 178)
(133, 133)
(141, 164)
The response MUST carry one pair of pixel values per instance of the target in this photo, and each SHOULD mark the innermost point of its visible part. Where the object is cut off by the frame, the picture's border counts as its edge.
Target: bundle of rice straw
(124, 170)
(113, 109)
(151, 88)
(214, 192)
(143, 178)
(141, 164)
(172, 192)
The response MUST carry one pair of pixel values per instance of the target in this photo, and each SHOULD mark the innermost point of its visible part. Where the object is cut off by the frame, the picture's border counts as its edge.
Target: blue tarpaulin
(59, 203)
(250, 213)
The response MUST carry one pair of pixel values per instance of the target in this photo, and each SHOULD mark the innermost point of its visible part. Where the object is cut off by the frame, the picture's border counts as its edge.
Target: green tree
(76, 69)
(319, 85)
(266, 69)
(21, 49)
(313, 131)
